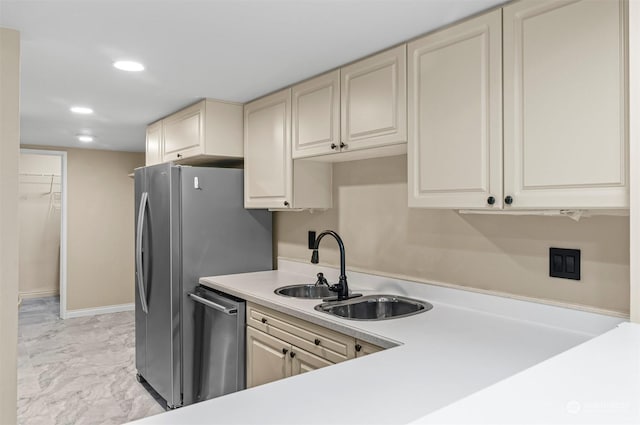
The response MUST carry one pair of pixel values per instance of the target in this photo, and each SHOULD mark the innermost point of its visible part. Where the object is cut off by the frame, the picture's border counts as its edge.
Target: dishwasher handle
(230, 311)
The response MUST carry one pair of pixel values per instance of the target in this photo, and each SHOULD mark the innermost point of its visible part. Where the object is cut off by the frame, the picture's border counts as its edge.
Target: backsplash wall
(507, 254)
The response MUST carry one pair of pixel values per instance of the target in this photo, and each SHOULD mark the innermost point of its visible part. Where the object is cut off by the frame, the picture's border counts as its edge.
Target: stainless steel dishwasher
(219, 349)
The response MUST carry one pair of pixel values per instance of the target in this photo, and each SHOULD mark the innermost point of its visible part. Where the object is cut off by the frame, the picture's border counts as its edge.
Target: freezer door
(162, 289)
(141, 249)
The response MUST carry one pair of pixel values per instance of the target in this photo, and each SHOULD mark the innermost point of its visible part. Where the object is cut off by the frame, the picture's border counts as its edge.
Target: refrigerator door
(161, 368)
(219, 236)
(141, 317)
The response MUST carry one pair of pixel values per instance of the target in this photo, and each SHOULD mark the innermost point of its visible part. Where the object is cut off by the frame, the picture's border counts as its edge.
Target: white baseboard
(38, 293)
(99, 310)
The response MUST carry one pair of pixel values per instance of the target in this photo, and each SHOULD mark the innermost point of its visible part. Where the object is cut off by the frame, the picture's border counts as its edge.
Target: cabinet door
(564, 104)
(316, 116)
(267, 152)
(153, 152)
(364, 348)
(184, 133)
(267, 358)
(454, 151)
(374, 100)
(303, 361)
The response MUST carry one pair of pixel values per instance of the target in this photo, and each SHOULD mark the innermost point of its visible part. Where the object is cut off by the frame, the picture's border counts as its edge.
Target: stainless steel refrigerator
(190, 222)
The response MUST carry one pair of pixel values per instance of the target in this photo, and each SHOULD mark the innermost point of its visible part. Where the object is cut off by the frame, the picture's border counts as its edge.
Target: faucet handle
(321, 280)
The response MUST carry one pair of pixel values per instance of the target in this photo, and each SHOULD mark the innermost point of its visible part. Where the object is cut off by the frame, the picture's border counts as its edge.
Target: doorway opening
(43, 240)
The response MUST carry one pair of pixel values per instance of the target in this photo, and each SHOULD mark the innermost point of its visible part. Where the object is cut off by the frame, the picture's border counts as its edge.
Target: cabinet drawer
(317, 340)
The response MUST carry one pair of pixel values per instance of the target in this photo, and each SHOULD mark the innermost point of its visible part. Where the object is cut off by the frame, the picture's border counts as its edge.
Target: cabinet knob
(343, 145)
(508, 200)
(292, 354)
(358, 347)
(491, 200)
(264, 320)
(285, 351)
(286, 203)
(334, 146)
(316, 341)
(179, 155)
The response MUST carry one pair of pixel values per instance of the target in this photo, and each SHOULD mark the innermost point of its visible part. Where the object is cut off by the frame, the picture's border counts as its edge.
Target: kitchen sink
(375, 307)
(305, 291)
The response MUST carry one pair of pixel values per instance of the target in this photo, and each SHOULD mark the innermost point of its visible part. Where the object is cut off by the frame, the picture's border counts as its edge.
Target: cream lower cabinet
(271, 178)
(267, 358)
(455, 116)
(270, 359)
(364, 348)
(279, 346)
(302, 361)
(562, 82)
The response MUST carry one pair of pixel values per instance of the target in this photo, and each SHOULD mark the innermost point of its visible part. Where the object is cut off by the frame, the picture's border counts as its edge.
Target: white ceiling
(224, 49)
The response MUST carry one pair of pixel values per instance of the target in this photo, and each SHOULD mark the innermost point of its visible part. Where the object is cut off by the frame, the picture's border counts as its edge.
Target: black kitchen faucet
(341, 287)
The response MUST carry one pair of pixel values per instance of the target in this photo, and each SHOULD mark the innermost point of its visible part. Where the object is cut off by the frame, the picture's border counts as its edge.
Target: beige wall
(507, 254)
(39, 206)
(9, 149)
(100, 227)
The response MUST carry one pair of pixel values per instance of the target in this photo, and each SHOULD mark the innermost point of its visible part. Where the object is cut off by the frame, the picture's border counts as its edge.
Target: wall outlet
(564, 263)
(312, 238)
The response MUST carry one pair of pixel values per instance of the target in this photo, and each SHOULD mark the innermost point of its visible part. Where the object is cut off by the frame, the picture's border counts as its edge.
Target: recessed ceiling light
(85, 138)
(130, 66)
(81, 110)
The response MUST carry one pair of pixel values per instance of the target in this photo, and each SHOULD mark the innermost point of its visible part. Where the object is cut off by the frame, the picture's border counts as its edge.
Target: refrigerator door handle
(144, 201)
(230, 311)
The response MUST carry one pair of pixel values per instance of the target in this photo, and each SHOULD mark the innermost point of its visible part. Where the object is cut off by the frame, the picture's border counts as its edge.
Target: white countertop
(597, 382)
(468, 342)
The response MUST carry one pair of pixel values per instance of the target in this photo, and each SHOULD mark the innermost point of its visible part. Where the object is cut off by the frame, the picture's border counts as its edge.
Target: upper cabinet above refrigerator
(207, 131)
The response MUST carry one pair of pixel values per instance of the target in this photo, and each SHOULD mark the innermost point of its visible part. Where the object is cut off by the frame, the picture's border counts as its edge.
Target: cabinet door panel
(455, 116)
(374, 94)
(306, 362)
(316, 115)
(184, 133)
(565, 144)
(268, 163)
(153, 152)
(266, 361)
(364, 348)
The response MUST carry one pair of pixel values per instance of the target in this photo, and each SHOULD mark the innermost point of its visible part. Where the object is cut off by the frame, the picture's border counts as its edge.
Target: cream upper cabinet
(268, 167)
(565, 142)
(153, 151)
(316, 116)
(267, 358)
(184, 133)
(374, 101)
(209, 128)
(271, 178)
(454, 149)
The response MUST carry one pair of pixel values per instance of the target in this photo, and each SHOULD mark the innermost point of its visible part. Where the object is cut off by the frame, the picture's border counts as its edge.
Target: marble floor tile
(78, 371)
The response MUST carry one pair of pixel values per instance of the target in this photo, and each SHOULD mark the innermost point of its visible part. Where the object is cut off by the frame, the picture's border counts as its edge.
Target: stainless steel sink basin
(305, 291)
(375, 307)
